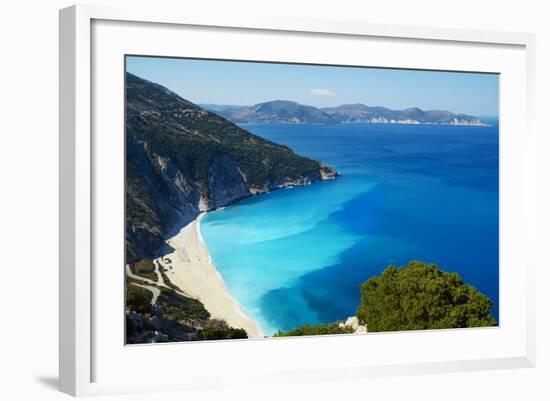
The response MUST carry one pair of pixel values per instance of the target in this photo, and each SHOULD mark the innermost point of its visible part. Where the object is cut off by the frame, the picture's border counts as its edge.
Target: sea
(407, 192)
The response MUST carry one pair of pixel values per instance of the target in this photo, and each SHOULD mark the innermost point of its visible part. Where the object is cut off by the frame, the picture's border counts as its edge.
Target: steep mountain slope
(182, 159)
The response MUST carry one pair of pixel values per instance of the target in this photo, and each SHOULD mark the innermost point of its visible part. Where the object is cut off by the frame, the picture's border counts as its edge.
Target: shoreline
(191, 269)
(403, 122)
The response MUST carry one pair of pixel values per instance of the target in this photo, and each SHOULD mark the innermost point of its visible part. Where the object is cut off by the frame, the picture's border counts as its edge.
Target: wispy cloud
(321, 92)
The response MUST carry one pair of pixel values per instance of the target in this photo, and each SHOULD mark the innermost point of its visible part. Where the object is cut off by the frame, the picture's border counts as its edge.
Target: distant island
(288, 112)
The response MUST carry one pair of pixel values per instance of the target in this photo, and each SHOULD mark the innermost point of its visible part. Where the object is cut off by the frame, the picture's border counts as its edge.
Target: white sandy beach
(192, 271)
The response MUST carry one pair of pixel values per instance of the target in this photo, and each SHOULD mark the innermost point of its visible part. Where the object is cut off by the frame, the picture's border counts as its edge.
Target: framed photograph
(290, 199)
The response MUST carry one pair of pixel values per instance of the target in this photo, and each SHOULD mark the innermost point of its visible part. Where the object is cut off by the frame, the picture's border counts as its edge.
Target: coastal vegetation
(421, 296)
(218, 330)
(181, 308)
(418, 296)
(156, 313)
(316, 329)
(138, 299)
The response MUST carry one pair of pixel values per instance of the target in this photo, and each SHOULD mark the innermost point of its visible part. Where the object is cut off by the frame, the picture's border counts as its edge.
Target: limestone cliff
(182, 160)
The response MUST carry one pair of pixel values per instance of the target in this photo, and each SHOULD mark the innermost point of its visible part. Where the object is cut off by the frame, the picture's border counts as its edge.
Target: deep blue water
(407, 192)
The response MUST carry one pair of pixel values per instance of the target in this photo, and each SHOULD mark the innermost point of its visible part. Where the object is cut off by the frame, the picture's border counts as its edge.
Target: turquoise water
(407, 192)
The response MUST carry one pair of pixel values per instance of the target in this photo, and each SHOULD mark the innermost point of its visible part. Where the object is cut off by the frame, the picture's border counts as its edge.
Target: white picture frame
(84, 354)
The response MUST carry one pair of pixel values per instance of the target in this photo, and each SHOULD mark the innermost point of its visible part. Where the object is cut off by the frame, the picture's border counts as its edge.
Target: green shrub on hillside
(217, 329)
(138, 299)
(180, 308)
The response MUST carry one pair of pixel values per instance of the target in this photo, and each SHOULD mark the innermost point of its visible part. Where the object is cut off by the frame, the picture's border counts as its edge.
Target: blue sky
(245, 83)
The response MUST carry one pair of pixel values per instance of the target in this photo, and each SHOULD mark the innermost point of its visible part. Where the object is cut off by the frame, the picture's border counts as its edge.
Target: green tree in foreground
(421, 296)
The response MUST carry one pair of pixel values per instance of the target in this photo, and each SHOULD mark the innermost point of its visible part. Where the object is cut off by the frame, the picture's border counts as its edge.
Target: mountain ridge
(289, 112)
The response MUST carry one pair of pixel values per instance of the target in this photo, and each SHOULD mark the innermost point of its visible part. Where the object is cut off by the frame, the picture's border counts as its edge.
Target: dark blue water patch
(453, 227)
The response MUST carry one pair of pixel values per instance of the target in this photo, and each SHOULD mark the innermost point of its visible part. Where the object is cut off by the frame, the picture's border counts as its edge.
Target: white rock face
(353, 322)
